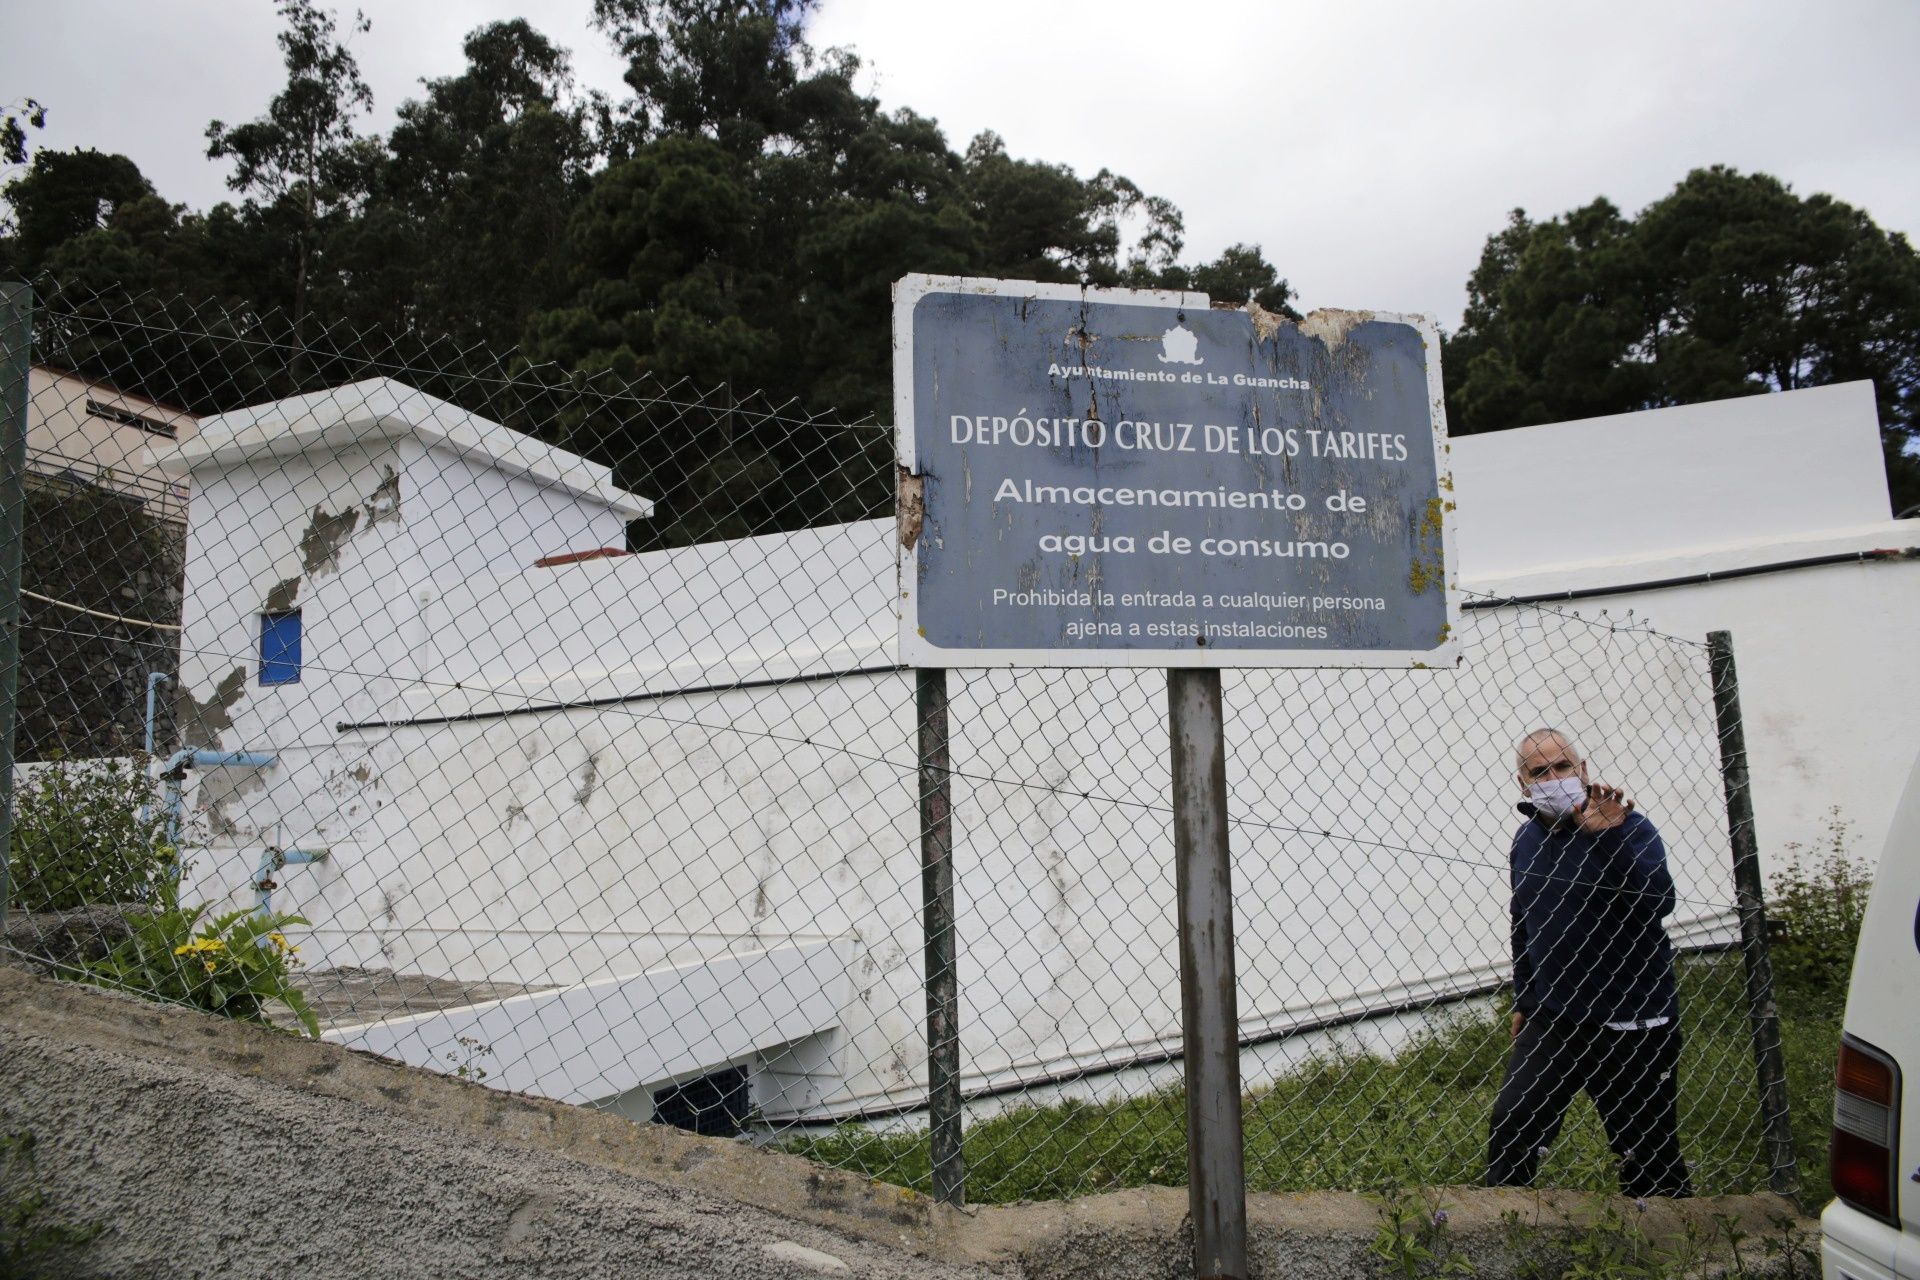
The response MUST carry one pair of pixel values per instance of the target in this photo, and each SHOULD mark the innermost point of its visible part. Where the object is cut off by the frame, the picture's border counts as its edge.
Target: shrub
(80, 838)
(236, 965)
(1818, 901)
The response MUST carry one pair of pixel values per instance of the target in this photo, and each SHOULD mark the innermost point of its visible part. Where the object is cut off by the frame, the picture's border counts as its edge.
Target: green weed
(1355, 1120)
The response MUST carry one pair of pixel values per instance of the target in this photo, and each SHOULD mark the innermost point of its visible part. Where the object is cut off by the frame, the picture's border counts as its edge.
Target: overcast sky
(1369, 148)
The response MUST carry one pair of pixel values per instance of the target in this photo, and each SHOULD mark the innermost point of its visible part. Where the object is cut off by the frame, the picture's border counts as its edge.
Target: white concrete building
(675, 792)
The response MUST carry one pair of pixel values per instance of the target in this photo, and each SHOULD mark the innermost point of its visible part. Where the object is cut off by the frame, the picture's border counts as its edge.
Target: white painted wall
(1610, 491)
(570, 846)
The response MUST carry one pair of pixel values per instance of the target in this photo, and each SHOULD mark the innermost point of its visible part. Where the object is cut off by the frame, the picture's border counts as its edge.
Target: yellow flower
(180, 951)
(279, 940)
(210, 966)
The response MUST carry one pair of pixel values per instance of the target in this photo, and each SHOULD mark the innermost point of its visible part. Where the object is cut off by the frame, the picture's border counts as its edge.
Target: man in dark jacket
(1594, 1000)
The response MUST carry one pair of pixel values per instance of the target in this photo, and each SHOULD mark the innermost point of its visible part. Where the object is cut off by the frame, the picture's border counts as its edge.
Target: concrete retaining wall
(211, 1148)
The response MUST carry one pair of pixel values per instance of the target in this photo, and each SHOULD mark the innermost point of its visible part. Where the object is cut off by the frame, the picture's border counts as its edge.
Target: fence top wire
(1604, 622)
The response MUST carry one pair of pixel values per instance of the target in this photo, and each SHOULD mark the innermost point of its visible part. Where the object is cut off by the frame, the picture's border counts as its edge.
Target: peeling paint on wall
(383, 504)
(217, 807)
(282, 596)
(324, 536)
(201, 722)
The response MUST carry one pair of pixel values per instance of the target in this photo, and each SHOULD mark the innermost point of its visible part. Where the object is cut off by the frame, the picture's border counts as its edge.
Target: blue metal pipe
(174, 771)
(181, 761)
(271, 860)
(154, 680)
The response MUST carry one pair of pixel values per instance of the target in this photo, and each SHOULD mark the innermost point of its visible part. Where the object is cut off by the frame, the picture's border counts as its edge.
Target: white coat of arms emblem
(1180, 346)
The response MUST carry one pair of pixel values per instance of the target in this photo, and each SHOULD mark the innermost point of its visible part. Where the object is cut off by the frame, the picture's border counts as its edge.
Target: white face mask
(1555, 798)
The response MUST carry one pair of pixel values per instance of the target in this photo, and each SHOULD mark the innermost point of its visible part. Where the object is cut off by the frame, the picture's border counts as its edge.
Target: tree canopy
(731, 229)
(1729, 285)
(739, 218)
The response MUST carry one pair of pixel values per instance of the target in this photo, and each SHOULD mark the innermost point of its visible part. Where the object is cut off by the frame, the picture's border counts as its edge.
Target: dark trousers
(1633, 1078)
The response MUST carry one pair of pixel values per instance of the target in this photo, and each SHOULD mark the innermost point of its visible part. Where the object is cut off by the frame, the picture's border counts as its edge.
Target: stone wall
(83, 679)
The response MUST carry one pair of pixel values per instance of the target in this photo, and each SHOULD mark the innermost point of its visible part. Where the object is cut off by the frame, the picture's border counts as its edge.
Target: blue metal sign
(1130, 478)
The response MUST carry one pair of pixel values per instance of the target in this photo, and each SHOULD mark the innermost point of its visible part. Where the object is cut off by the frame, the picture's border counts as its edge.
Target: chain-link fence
(557, 722)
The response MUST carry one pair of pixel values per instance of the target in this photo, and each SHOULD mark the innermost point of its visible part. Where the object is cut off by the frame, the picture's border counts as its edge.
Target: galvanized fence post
(16, 355)
(1763, 1014)
(936, 905)
(1209, 996)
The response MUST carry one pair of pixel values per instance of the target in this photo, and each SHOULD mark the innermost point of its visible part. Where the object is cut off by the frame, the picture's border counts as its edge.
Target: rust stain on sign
(1429, 565)
(1331, 325)
(911, 507)
(1265, 323)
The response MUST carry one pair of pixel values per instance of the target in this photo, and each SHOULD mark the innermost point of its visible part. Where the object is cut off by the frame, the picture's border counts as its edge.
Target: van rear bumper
(1856, 1247)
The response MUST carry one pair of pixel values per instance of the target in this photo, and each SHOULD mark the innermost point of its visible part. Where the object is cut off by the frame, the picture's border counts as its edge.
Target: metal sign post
(1114, 477)
(16, 355)
(936, 914)
(1209, 997)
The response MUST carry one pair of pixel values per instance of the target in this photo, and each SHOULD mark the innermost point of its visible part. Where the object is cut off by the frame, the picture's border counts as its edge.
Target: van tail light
(1866, 1129)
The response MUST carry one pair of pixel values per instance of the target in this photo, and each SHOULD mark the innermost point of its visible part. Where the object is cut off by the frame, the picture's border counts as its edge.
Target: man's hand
(1605, 809)
(1519, 1021)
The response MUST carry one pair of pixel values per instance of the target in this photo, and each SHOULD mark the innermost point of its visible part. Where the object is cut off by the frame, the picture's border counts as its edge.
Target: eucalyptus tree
(303, 165)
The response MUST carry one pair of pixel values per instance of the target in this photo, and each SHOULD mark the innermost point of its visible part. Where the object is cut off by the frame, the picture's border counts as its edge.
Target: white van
(1872, 1230)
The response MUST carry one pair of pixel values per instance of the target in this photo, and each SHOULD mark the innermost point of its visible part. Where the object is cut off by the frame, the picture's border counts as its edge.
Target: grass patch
(1810, 1023)
(1361, 1121)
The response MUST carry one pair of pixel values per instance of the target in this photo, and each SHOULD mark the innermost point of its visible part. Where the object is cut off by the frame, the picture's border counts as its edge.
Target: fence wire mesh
(548, 729)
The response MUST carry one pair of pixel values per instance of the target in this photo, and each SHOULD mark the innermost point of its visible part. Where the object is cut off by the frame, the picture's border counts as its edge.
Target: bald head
(1546, 754)
(1545, 740)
